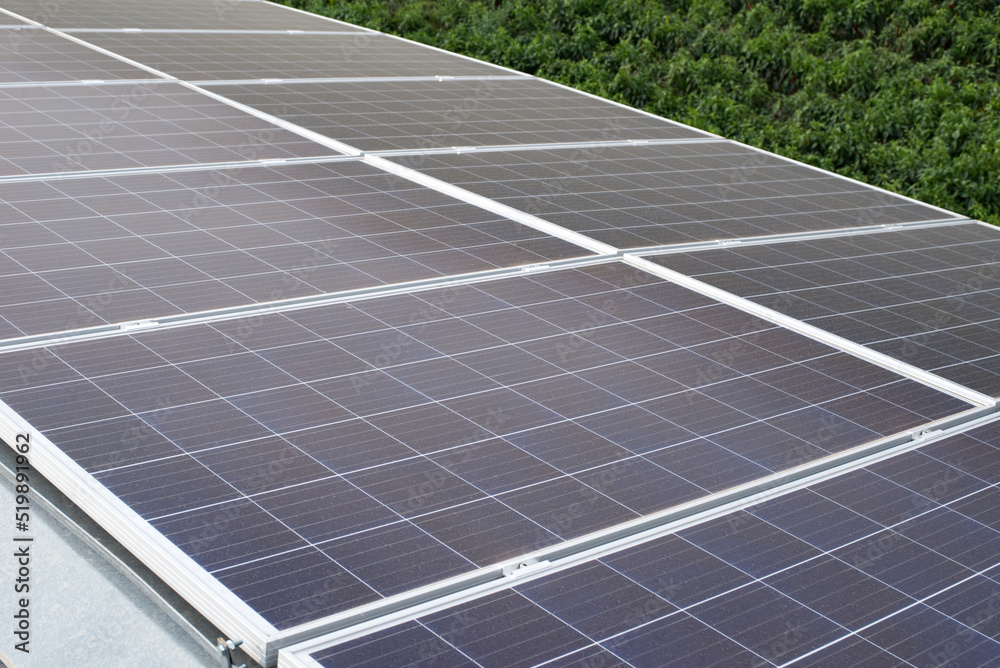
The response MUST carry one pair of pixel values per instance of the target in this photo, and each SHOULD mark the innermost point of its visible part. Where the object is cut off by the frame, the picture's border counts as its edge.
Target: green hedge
(903, 95)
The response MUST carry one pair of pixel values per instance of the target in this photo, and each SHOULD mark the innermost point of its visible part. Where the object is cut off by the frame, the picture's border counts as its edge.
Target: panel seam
(837, 342)
(768, 239)
(293, 304)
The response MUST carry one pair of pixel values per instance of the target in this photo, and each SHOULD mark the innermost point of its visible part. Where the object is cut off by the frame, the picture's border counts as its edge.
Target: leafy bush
(900, 94)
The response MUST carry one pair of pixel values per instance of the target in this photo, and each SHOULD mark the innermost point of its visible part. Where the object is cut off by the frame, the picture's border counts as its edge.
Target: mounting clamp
(522, 568)
(225, 648)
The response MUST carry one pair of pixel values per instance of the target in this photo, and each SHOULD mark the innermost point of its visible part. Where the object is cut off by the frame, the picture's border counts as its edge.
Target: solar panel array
(382, 355)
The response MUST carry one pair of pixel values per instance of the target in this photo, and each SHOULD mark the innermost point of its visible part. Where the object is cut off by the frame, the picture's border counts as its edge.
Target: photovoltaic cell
(385, 115)
(348, 438)
(33, 55)
(927, 297)
(895, 564)
(176, 14)
(81, 128)
(8, 20)
(651, 195)
(223, 56)
(90, 251)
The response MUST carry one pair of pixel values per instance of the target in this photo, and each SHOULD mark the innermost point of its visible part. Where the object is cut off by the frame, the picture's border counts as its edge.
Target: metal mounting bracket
(138, 324)
(522, 568)
(225, 648)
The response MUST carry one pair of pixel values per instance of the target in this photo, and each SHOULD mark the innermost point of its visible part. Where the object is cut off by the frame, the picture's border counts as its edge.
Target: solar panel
(227, 56)
(652, 195)
(317, 390)
(892, 564)
(93, 127)
(105, 250)
(496, 419)
(29, 54)
(385, 115)
(175, 15)
(928, 297)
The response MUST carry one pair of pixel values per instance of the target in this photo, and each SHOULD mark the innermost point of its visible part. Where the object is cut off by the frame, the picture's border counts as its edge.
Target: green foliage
(900, 94)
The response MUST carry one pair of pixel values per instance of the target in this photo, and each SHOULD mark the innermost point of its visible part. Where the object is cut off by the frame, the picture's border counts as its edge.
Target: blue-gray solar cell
(239, 57)
(927, 297)
(909, 577)
(409, 644)
(174, 15)
(851, 652)
(31, 55)
(643, 196)
(59, 129)
(387, 115)
(377, 430)
(92, 251)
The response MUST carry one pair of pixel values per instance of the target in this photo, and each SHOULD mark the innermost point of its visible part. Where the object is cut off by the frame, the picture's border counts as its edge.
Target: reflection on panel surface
(82, 128)
(89, 251)
(33, 55)
(386, 115)
(652, 195)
